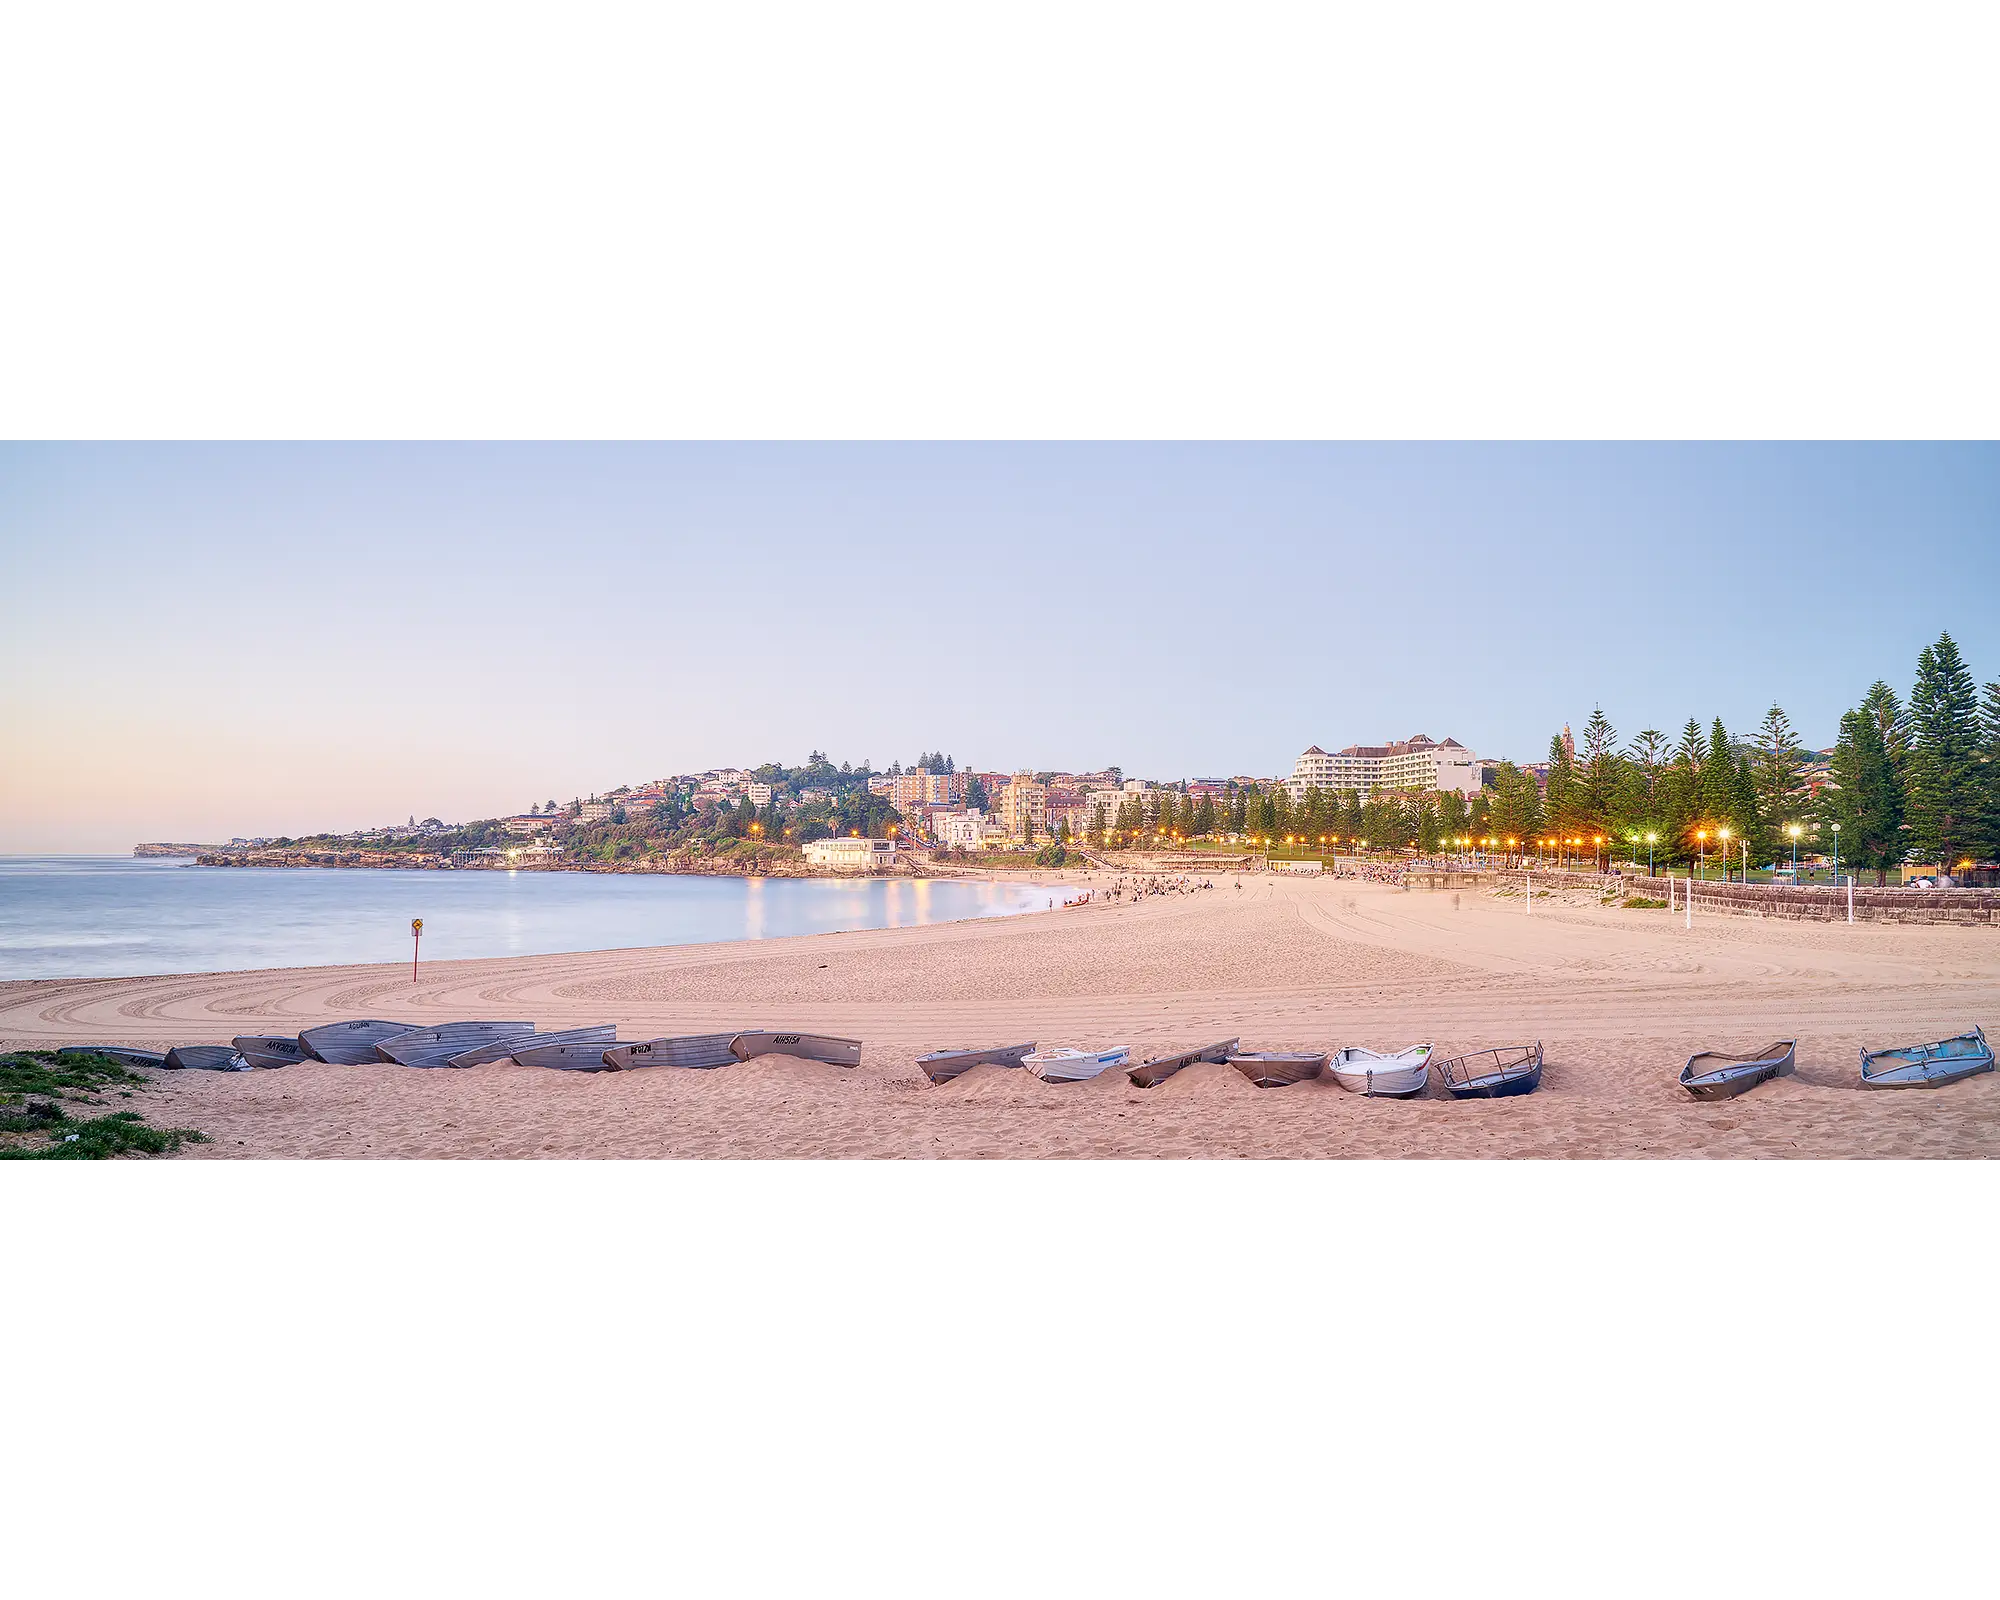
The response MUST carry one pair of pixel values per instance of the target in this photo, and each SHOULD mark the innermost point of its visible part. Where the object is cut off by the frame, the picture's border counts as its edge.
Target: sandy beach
(1619, 997)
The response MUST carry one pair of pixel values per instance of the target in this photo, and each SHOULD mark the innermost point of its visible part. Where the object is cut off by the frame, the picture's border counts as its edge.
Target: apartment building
(1021, 803)
(1416, 764)
(911, 791)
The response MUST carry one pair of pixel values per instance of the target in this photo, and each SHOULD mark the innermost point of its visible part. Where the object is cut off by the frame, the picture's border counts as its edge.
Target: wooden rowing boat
(350, 1044)
(434, 1047)
(1723, 1074)
(806, 1046)
(1494, 1074)
(699, 1051)
(1073, 1066)
(270, 1049)
(941, 1066)
(1151, 1074)
(205, 1058)
(599, 1034)
(1927, 1066)
(1400, 1075)
(1279, 1069)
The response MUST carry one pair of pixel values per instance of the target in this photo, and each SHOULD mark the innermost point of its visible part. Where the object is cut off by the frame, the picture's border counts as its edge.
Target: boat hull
(1074, 1066)
(805, 1046)
(1928, 1066)
(1401, 1076)
(941, 1066)
(700, 1052)
(350, 1044)
(1730, 1076)
(205, 1058)
(1500, 1086)
(1279, 1069)
(1493, 1074)
(1151, 1074)
(269, 1049)
(569, 1055)
(599, 1034)
(434, 1047)
(124, 1055)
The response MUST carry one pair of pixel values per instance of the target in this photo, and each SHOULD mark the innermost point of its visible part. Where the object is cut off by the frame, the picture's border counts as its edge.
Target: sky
(202, 641)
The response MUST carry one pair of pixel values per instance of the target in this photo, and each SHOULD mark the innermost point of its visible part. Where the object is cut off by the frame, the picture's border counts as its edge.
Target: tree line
(1906, 780)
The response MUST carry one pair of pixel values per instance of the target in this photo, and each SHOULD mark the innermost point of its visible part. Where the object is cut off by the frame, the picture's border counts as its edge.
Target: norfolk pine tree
(1946, 805)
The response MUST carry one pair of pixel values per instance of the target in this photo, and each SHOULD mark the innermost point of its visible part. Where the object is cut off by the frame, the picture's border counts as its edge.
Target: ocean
(117, 916)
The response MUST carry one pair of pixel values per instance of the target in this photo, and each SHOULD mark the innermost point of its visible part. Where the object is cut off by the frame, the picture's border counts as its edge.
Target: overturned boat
(700, 1051)
(1927, 1066)
(123, 1054)
(206, 1058)
(270, 1049)
(351, 1044)
(570, 1055)
(1074, 1066)
(1494, 1074)
(1279, 1069)
(941, 1066)
(1151, 1074)
(599, 1034)
(434, 1047)
(1721, 1074)
(806, 1046)
(1397, 1075)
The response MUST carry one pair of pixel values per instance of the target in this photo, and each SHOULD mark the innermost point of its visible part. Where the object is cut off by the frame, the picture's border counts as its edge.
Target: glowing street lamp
(1793, 829)
(1723, 835)
(1836, 852)
(1650, 838)
(1701, 852)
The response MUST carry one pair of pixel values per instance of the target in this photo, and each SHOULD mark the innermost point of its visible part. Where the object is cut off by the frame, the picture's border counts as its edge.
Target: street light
(1701, 852)
(1649, 853)
(1723, 834)
(1836, 852)
(1793, 829)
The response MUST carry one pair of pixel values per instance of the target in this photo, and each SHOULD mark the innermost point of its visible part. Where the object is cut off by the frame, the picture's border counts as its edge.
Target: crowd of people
(1139, 887)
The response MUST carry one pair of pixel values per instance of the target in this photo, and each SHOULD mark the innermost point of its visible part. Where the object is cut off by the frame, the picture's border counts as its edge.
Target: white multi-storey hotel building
(1416, 763)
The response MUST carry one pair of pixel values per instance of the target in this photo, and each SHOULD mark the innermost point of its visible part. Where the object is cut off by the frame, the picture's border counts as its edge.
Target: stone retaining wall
(1799, 903)
(1826, 903)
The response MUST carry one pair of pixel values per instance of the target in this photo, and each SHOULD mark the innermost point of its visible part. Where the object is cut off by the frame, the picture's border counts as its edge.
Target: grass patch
(43, 1129)
(1638, 902)
(68, 1077)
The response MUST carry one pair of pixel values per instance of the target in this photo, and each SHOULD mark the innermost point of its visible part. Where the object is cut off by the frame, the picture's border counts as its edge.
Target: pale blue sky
(206, 639)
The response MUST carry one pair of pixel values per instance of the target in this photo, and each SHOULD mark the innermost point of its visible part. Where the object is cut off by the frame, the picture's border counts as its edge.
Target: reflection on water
(102, 916)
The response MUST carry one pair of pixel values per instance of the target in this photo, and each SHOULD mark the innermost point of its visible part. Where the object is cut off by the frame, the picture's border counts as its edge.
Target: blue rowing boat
(1927, 1066)
(1494, 1074)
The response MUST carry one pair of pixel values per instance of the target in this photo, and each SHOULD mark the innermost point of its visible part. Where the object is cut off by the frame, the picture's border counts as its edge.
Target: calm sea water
(110, 916)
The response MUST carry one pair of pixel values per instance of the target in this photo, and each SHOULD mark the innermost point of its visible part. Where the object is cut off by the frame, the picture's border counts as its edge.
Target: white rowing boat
(1396, 1076)
(1074, 1066)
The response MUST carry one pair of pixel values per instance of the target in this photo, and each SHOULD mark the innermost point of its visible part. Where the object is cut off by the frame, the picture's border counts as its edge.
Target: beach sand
(1619, 998)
